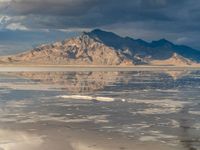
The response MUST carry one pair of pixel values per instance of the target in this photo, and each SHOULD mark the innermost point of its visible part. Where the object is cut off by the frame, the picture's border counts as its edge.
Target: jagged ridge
(105, 48)
(82, 50)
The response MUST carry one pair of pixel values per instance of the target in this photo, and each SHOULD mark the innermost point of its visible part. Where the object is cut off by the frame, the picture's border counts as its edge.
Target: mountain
(106, 48)
(156, 50)
(81, 50)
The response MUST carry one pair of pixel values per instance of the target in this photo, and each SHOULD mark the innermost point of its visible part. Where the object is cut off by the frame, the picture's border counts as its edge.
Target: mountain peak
(101, 34)
(100, 47)
(161, 42)
(108, 38)
(164, 41)
(98, 31)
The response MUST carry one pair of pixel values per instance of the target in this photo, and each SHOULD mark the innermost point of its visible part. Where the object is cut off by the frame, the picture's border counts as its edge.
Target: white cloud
(4, 19)
(74, 29)
(5, 0)
(16, 26)
(182, 40)
(12, 22)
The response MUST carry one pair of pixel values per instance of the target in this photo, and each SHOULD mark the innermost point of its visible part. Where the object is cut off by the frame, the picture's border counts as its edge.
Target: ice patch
(105, 99)
(196, 126)
(148, 138)
(170, 91)
(156, 111)
(18, 104)
(76, 97)
(166, 106)
(158, 136)
(67, 119)
(4, 91)
(194, 112)
(81, 97)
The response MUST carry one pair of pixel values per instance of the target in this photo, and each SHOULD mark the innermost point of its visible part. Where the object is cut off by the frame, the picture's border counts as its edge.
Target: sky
(24, 24)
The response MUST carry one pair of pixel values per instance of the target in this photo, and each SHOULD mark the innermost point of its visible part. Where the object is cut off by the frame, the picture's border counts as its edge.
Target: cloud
(16, 26)
(181, 40)
(47, 7)
(87, 13)
(147, 19)
(4, 19)
(63, 14)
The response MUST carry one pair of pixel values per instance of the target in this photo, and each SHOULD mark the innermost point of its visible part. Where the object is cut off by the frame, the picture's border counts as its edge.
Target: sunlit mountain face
(106, 48)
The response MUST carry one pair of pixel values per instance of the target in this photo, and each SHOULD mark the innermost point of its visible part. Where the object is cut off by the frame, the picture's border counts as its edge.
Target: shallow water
(100, 110)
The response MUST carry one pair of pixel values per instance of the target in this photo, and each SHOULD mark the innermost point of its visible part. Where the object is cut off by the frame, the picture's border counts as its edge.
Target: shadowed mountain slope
(106, 48)
(161, 49)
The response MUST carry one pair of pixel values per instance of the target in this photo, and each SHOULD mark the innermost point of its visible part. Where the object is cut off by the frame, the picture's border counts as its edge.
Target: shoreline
(51, 68)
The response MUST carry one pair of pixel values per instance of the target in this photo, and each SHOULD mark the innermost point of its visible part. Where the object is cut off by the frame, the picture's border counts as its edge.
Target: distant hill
(106, 48)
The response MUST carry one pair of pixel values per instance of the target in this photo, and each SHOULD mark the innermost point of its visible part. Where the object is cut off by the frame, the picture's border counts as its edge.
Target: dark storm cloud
(47, 7)
(173, 19)
(89, 13)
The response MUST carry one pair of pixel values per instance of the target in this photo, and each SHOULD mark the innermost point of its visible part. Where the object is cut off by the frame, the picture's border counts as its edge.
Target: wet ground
(100, 110)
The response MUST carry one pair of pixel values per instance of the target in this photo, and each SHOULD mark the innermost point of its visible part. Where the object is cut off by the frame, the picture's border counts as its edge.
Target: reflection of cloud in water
(4, 91)
(164, 106)
(107, 143)
(194, 112)
(82, 146)
(158, 136)
(18, 104)
(15, 111)
(14, 140)
(152, 101)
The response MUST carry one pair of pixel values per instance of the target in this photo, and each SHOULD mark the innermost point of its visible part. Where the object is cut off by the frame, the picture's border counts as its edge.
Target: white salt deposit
(81, 97)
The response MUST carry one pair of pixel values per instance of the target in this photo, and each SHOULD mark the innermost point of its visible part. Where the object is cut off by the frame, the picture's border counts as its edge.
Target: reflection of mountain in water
(74, 81)
(152, 104)
(177, 74)
(77, 82)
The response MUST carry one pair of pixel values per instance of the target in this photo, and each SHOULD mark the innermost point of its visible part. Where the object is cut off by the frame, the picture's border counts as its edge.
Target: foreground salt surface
(99, 110)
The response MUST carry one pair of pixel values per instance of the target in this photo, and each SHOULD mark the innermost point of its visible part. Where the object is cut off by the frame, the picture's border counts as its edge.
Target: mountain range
(100, 47)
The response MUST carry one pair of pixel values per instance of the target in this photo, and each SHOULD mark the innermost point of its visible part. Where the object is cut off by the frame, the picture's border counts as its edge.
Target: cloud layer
(89, 13)
(148, 19)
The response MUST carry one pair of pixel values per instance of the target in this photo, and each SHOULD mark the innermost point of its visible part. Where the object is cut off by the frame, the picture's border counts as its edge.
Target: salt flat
(53, 68)
(99, 108)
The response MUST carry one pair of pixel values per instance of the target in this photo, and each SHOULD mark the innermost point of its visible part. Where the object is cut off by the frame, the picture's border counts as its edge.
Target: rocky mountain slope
(105, 48)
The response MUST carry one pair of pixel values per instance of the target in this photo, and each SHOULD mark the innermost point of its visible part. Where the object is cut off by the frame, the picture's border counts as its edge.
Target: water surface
(109, 110)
